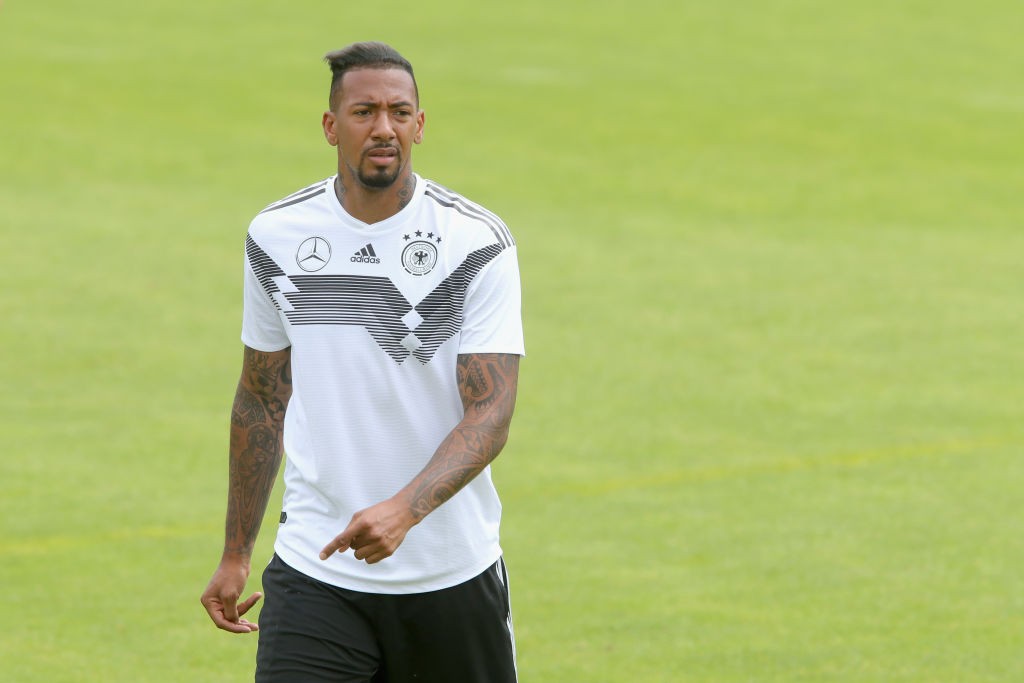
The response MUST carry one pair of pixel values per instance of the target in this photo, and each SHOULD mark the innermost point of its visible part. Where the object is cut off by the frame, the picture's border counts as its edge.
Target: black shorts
(312, 632)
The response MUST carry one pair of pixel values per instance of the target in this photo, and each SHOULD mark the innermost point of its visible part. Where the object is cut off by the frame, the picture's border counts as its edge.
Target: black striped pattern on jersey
(442, 308)
(375, 304)
(300, 196)
(453, 200)
(264, 267)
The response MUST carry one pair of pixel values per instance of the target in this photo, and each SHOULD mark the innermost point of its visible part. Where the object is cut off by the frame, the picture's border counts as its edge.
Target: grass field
(770, 426)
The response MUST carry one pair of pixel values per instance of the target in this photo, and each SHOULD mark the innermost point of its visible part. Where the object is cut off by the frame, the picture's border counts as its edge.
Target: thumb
(248, 603)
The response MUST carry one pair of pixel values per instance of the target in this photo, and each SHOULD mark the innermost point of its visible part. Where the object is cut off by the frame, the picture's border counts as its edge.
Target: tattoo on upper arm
(267, 379)
(486, 378)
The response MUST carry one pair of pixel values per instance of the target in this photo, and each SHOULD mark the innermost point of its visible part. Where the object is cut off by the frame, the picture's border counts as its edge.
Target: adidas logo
(365, 255)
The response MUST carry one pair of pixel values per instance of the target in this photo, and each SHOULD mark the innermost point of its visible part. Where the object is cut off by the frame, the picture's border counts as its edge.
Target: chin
(381, 180)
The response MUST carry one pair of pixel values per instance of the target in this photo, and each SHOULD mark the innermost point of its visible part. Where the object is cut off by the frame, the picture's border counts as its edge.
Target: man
(382, 336)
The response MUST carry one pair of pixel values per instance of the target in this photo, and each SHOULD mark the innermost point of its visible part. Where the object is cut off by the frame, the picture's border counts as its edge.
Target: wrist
(398, 507)
(412, 515)
(236, 557)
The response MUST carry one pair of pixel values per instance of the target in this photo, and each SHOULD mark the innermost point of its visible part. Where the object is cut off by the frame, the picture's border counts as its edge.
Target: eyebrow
(394, 105)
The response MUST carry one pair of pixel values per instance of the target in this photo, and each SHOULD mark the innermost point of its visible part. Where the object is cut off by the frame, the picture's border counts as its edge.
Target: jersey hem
(310, 569)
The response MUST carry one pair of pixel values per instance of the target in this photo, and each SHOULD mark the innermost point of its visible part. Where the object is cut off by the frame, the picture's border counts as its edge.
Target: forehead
(377, 85)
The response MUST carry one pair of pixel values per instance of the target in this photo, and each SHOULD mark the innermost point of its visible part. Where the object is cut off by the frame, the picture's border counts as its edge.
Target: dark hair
(369, 55)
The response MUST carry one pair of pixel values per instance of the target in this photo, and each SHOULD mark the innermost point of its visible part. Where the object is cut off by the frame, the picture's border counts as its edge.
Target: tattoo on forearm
(257, 422)
(487, 383)
(247, 411)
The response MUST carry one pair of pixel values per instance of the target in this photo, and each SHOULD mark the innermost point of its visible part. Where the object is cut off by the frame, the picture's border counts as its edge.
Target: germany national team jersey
(376, 316)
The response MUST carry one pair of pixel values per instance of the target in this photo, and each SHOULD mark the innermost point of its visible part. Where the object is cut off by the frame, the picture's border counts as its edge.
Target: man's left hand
(374, 533)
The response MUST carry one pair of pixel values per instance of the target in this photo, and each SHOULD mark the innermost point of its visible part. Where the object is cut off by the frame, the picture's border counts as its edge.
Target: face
(374, 124)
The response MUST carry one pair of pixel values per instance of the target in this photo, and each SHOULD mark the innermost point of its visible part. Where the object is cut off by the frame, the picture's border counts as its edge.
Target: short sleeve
(492, 315)
(262, 327)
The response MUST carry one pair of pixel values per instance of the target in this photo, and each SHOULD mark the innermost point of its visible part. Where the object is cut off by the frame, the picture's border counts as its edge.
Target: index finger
(340, 544)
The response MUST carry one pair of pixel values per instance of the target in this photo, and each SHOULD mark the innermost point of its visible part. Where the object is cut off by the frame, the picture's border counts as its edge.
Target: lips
(383, 153)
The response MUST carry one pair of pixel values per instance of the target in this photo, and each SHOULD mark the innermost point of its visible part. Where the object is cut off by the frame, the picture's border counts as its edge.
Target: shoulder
(299, 196)
(466, 211)
(282, 212)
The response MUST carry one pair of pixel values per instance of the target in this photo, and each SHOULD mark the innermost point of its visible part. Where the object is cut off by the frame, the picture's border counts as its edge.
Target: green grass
(769, 425)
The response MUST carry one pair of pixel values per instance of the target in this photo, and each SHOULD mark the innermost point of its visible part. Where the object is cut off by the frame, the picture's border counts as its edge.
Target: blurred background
(769, 427)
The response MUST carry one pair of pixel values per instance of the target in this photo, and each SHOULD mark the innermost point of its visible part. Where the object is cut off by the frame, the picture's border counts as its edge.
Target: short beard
(379, 180)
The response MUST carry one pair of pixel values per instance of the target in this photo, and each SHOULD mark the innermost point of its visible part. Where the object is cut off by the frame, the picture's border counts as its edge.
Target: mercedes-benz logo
(313, 254)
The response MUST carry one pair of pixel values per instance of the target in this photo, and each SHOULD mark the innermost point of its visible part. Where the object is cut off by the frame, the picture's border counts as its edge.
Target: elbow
(500, 439)
(500, 435)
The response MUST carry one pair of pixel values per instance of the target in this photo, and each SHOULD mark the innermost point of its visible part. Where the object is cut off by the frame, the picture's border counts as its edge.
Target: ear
(421, 119)
(329, 133)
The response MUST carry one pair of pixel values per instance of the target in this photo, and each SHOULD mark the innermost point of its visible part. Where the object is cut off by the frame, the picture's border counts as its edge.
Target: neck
(372, 205)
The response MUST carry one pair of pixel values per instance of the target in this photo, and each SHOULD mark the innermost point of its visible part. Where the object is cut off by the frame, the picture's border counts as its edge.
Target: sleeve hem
(265, 347)
(518, 351)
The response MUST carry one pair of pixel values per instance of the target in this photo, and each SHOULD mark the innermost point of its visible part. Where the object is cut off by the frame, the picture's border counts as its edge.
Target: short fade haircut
(368, 55)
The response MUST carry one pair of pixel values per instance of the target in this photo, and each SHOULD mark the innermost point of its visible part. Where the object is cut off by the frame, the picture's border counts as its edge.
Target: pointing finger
(340, 544)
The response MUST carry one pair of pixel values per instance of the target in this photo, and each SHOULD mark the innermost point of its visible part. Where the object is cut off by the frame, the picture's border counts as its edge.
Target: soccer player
(382, 334)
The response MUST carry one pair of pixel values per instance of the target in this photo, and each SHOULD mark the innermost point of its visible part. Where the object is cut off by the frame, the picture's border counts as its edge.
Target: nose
(382, 129)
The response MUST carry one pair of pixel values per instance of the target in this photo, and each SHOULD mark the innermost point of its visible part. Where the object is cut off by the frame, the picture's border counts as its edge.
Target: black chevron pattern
(375, 304)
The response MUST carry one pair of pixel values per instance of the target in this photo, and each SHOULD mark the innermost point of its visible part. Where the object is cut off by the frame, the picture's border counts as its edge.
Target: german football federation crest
(419, 257)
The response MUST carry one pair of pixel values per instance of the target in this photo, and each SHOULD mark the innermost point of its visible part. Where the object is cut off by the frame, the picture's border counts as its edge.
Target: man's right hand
(221, 597)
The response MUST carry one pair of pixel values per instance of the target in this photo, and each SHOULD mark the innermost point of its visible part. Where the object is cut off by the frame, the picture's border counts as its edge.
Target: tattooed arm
(257, 424)
(487, 384)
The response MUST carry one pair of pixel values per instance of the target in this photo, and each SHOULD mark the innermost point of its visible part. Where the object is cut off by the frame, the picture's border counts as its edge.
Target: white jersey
(376, 316)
